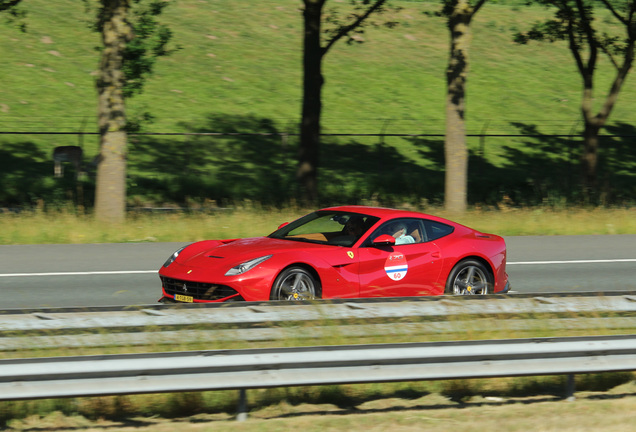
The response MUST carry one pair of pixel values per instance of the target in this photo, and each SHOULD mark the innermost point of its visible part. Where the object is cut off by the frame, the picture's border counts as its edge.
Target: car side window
(405, 231)
(417, 231)
(436, 230)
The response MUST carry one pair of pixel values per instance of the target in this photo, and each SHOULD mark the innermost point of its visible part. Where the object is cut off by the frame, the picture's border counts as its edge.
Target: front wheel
(469, 277)
(295, 283)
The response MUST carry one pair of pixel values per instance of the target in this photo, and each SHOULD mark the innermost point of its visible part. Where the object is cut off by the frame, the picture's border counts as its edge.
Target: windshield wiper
(304, 240)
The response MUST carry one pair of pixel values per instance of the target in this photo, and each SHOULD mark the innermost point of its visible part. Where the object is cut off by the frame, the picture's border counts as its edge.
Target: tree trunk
(308, 158)
(589, 161)
(455, 150)
(110, 194)
(594, 123)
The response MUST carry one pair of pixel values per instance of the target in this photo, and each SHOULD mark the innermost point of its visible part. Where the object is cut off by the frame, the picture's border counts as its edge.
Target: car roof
(385, 213)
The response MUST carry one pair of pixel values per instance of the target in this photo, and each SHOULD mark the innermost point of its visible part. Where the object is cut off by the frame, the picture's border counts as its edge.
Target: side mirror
(384, 240)
(283, 224)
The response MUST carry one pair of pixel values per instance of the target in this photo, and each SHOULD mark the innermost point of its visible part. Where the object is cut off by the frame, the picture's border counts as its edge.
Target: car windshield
(327, 227)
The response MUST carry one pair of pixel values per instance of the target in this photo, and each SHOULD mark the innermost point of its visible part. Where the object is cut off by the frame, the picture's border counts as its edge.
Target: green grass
(239, 71)
(64, 226)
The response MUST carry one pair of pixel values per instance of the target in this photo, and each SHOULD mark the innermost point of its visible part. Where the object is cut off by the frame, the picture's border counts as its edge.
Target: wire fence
(349, 127)
(340, 125)
(526, 162)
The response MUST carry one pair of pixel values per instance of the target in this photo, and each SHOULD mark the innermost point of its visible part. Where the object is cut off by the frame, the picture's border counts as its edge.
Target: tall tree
(116, 31)
(314, 51)
(574, 22)
(131, 42)
(459, 15)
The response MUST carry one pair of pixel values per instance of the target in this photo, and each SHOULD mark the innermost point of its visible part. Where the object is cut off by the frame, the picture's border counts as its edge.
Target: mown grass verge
(592, 411)
(249, 220)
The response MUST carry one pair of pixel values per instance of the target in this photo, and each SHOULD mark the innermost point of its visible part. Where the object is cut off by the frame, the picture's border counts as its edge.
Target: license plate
(182, 298)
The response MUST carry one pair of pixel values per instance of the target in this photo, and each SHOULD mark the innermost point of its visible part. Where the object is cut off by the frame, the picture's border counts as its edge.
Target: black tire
(296, 284)
(469, 277)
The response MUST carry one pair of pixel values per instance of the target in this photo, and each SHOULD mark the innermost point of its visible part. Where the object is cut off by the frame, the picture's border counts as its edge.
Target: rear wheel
(469, 277)
(295, 283)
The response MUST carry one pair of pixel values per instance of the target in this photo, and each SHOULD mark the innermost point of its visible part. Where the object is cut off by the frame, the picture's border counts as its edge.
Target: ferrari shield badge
(350, 254)
(396, 266)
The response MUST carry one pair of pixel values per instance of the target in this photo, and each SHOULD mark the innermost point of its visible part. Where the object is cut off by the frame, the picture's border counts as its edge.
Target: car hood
(234, 252)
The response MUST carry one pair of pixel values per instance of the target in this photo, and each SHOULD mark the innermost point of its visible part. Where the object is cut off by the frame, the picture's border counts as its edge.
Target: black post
(569, 392)
(242, 406)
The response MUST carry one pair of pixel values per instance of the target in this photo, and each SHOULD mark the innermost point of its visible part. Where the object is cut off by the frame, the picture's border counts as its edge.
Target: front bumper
(177, 290)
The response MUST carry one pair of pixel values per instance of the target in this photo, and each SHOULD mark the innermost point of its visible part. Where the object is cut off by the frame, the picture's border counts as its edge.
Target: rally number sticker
(396, 266)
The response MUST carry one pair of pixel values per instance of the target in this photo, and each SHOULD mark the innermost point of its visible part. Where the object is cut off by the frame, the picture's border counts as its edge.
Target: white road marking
(572, 262)
(120, 272)
(90, 273)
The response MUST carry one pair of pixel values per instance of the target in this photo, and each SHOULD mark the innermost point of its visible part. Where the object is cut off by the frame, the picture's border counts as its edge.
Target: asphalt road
(34, 276)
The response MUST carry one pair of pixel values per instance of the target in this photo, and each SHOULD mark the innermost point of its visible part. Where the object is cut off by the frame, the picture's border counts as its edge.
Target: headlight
(246, 266)
(173, 257)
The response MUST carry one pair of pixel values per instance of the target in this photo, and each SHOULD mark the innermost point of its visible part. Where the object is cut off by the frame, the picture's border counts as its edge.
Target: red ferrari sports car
(341, 252)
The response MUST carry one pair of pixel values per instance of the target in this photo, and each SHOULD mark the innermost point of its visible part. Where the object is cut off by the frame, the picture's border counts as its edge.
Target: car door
(400, 270)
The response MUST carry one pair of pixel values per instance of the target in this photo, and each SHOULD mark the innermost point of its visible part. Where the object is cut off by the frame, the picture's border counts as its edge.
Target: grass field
(238, 70)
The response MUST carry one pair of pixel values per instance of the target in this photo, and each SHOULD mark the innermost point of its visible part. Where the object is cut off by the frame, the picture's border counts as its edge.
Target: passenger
(398, 230)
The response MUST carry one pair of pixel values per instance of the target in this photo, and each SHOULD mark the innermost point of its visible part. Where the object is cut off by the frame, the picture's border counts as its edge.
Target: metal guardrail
(156, 324)
(279, 367)
(275, 367)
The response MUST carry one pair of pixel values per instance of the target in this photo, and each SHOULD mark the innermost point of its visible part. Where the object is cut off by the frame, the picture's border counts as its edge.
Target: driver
(354, 227)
